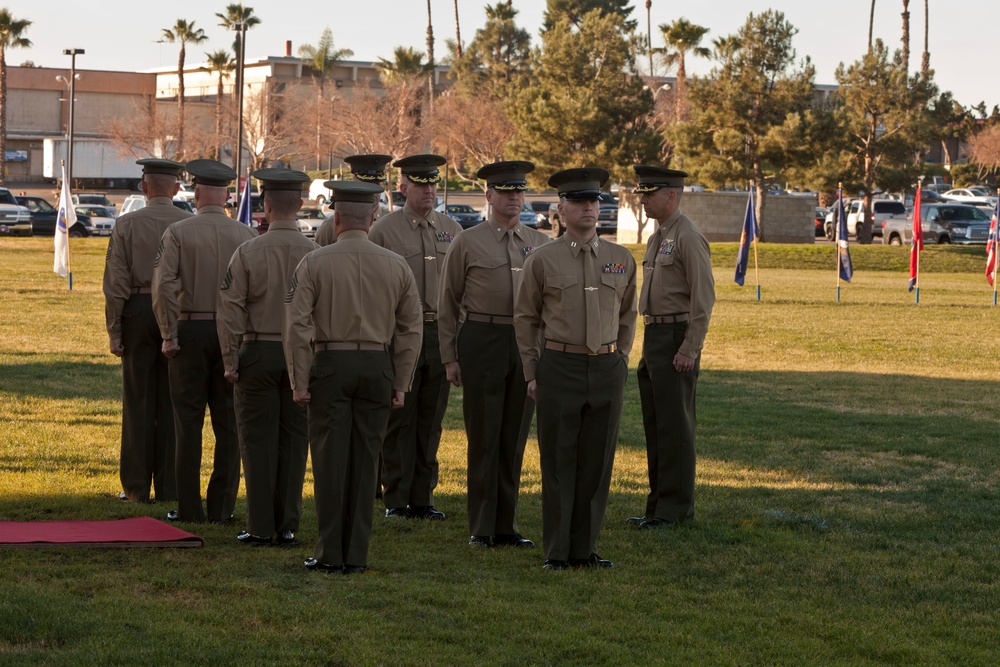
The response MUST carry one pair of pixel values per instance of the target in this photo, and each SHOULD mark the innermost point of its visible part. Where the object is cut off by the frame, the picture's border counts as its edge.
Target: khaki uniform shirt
(192, 261)
(677, 278)
(326, 234)
(252, 297)
(352, 292)
(422, 242)
(481, 274)
(132, 249)
(551, 301)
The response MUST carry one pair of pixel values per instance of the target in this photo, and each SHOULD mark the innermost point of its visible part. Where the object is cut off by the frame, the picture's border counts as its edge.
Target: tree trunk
(3, 116)
(906, 36)
(925, 61)
(761, 192)
(871, 25)
(218, 121)
(680, 93)
(430, 61)
(458, 35)
(180, 105)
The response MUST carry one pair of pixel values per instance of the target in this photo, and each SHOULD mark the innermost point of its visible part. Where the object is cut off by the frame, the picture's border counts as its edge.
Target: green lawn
(847, 514)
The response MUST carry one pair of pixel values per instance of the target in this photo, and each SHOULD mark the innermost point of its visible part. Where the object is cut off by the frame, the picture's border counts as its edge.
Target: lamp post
(240, 27)
(72, 53)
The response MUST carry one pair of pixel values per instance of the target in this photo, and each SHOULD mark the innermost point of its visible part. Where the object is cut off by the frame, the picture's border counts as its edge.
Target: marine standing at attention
(189, 269)
(482, 272)
(147, 453)
(358, 302)
(271, 426)
(579, 292)
(421, 236)
(678, 292)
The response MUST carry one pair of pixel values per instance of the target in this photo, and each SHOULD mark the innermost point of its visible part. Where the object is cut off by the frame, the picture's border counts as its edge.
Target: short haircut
(160, 185)
(354, 214)
(283, 202)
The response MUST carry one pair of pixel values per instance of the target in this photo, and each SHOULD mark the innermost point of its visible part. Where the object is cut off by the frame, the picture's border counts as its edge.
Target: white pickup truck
(882, 209)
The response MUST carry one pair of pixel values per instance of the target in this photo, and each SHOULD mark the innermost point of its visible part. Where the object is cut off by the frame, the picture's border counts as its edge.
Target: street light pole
(72, 53)
(241, 27)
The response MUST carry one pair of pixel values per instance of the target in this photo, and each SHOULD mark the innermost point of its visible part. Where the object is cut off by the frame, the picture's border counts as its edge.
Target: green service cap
(281, 179)
(210, 172)
(153, 165)
(507, 175)
(357, 191)
(653, 178)
(369, 167)
(581, 184)
(421, 169)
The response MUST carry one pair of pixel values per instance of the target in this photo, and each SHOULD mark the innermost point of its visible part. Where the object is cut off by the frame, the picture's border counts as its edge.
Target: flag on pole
(65, 222)
(991, 245)
(243, 213)
(918, 241)
(843, 253)
(750, 232)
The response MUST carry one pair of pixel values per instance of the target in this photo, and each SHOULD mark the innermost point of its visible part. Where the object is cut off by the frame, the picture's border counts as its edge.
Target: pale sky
(120, 35)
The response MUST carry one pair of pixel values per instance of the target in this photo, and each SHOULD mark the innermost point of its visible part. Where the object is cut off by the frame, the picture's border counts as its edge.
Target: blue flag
(750, 232)
(843, 253)
(243, 213)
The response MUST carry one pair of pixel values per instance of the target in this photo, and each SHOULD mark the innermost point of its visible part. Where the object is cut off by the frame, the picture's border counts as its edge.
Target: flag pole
(69, 256)
(836, 238)
(756, 273)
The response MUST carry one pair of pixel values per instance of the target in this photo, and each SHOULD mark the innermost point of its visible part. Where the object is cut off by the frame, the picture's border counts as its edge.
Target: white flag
(66, 220)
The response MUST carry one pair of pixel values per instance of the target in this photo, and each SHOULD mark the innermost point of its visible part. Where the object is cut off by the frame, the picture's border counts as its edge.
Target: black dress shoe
(122, 496)
(597, 561)
(652, 524)
(635, 520)
(516, 540)
(396, 513)
(253, 540)
(314, 565)
(426, 512)
(287, 538)
(554, 565)
(480, 541)
(172, 515)
(355, 569)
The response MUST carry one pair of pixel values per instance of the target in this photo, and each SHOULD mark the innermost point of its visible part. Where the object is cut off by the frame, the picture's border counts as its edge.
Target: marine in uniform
(579, 293)
(359, 303)
(481, 274)
(251, 307)
(188, 271)
(422, 236)
(675, 302)
(368, 168)
(147, 450)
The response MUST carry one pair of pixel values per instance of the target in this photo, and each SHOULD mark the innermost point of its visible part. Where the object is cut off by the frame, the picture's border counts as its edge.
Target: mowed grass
(847, 502)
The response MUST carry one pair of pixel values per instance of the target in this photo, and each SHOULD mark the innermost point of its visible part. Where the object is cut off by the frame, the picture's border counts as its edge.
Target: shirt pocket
(556, 286)
(613, 288)
(405, 251)
(442, 248)
(491, 274)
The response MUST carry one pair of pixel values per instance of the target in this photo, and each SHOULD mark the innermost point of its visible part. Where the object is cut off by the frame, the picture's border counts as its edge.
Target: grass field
(848, 503)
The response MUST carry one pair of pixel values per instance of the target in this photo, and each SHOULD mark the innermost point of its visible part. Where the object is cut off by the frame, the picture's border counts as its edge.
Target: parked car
(318, 192)
(854, 209)
(309, 220)
(528, 217)
(398, 200)
(95, 199)
(15, 219)
(135, 202)
(821, 214)
(899, 231)
(607, 217)
(966, 225)
(185, 192)
(100, 221)
(541, 209)
(971, 196)
(463, 214)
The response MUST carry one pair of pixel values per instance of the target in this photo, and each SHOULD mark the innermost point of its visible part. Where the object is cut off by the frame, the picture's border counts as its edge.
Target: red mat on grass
(141, 531)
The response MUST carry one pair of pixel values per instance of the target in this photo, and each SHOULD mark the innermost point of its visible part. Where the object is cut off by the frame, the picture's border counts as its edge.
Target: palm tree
(405, 65)
(222, 62)
(925, 61)
(11, 36)
(906, 35)
(183, 32)
(322, 58)
(726, 48)
(682, 36)
(234, 15)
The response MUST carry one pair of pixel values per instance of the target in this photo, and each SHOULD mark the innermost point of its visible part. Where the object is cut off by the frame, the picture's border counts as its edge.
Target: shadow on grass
(41, 376)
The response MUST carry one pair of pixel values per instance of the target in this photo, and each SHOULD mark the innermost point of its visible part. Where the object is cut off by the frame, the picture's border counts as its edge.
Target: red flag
(991, 245)
(918, 240)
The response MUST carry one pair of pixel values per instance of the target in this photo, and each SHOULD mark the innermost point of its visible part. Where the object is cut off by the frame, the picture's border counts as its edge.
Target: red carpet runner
(138, 532)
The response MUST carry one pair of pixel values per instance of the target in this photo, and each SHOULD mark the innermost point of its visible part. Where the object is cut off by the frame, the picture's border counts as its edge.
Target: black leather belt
(665, 319)
(490, 319)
